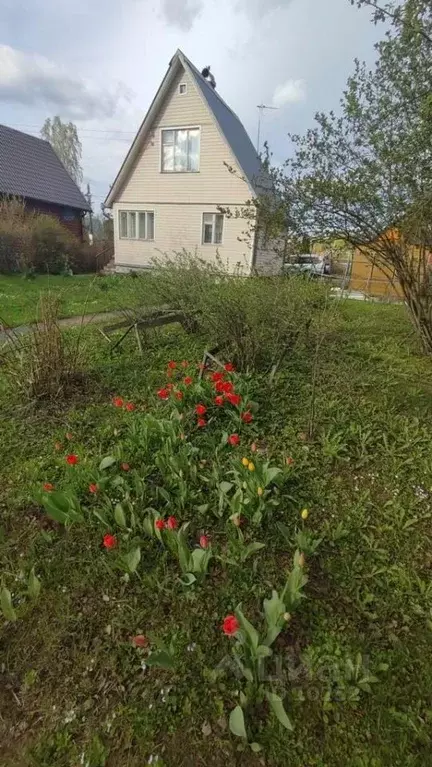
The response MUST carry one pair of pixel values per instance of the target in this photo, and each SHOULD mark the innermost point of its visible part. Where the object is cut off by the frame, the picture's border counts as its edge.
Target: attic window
(182, 89)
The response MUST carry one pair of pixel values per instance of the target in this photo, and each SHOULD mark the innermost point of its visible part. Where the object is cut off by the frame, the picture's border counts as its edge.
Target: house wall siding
(180, 199)
(179, 226)
(268, 256)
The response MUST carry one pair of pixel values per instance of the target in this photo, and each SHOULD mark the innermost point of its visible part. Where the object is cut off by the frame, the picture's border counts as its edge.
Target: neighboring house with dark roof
(174, 180)
(30, 169)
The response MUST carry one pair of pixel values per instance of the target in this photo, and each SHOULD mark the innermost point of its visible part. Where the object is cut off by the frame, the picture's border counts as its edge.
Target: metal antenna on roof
(261, 108)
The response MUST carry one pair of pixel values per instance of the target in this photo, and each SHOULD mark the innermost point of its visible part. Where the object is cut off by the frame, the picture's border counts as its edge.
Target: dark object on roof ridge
(30, 168)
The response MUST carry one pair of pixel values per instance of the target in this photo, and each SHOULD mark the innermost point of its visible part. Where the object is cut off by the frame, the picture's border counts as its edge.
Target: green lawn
(80, 294)
(356, 661)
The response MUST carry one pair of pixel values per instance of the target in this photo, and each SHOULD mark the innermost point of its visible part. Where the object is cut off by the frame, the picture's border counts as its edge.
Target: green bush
(256, 321)
(32, 241)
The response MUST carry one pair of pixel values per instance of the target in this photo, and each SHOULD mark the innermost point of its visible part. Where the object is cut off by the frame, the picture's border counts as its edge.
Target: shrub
(32, 241)
(256, 321)
(41, 364)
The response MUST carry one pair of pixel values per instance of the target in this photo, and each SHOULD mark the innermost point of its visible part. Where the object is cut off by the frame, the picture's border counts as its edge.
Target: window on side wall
(136, 224)
(212, 228)
(180, 150)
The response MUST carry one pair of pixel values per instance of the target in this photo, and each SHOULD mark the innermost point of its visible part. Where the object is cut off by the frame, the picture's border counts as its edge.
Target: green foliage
(232, 312)
(365, 174)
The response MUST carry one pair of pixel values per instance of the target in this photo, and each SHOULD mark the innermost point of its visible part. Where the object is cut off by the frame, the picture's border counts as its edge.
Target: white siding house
(175, 178)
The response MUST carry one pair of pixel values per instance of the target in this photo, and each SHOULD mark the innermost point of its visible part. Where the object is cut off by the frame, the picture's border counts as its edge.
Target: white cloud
(290, 92)
(182, 14)
(257, 8)
(34, 80)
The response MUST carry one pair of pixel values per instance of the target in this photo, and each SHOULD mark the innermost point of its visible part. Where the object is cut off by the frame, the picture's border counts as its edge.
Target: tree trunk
(419, 301)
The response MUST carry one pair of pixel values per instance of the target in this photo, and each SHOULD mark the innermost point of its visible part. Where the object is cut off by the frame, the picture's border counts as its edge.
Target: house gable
(143, 180)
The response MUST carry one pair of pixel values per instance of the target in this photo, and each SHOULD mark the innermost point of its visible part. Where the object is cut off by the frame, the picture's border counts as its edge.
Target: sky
(100, 62)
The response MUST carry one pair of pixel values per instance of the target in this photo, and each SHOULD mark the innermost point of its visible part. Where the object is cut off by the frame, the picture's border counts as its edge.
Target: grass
(73, 689)
(80, 294)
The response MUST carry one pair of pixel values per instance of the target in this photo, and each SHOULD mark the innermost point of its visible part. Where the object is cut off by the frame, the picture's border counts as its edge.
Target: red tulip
(227, 387)
(247, 417)
(93, 488)
(204, 542)
(69, 435)
(217, 377)
(187, 381)
(163, 393)
(159, 524)
(109, 541)
(185, 364)
(200, 410)
(201, 422)
(234, 440)
(172, 365)
(230, 625)
(178, 395)
(234, 399)
(219, 400)
(130, 406)
(289, 461)
(229, 367)
(125, 466)
(118, 402)
(48, 487)
(72, 460)
(171, 523)
(57, 445)
(140, 641)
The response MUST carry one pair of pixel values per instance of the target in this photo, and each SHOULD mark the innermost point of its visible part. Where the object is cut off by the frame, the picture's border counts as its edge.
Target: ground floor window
(136, 224)
(212, 228)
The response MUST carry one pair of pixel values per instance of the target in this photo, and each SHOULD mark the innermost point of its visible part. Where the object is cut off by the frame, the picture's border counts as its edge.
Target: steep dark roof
(233, 130)
(29, 167)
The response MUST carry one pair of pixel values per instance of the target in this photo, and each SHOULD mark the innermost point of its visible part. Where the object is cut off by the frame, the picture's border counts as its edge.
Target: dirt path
(65, 322)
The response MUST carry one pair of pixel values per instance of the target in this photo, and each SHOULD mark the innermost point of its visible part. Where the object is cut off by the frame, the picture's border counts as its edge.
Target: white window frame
(184, 91)
(175, 128)
(212, 243)
(137, 212)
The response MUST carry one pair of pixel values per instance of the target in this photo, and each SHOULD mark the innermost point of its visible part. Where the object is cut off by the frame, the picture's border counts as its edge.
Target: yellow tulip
(287, 617)
(251, 467)
(245, 461)
(305, 514)
(301, 560)
(260, 491)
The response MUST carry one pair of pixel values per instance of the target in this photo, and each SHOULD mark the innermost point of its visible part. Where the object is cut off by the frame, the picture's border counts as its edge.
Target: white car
(312, 264)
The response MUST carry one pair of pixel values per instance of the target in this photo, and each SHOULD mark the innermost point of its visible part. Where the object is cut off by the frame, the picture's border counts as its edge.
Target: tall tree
(366, 174)
(63, 138)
